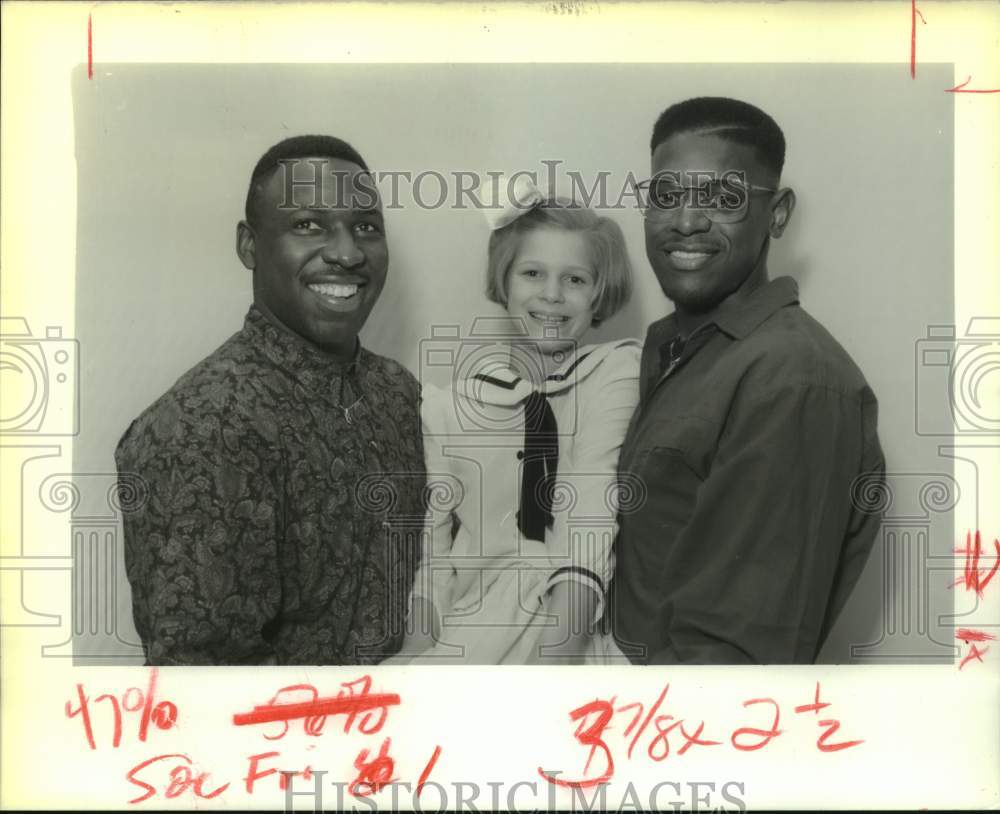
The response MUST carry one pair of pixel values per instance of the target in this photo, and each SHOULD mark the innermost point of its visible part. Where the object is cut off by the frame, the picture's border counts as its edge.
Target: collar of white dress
(493, 382)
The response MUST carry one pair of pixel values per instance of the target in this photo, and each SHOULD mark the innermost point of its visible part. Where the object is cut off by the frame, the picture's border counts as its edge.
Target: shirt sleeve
(750, 575)
(435, 574)
(200, 550)
(584, 531)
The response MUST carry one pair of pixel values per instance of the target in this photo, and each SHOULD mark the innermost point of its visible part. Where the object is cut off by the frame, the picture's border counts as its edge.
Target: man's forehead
(691, 151)
(317, 182)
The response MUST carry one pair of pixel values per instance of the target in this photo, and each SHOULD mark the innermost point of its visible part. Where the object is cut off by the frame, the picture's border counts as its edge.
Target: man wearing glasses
(754, 427)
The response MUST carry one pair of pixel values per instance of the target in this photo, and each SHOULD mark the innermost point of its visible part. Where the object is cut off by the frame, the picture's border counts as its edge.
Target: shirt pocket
(673, 460)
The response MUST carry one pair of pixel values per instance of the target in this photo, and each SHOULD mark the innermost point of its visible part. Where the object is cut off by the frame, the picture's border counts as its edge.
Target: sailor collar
(495, 383)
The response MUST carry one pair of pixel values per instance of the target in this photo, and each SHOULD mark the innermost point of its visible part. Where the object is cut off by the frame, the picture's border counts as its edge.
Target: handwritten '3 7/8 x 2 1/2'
(673, 734)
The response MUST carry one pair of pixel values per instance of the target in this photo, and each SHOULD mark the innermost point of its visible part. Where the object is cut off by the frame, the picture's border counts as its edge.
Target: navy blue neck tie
(540, 464)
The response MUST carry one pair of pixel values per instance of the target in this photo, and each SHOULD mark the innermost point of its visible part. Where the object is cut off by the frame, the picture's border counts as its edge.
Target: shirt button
(520, 454)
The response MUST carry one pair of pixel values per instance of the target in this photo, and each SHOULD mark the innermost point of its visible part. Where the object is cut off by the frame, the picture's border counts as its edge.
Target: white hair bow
(515, 196)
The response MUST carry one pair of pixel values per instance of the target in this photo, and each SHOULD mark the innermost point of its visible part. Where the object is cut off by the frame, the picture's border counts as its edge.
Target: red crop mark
(90, 48)
(972, 576)
(974, 653)
(914, 13)
(970, 637)
(962, 89)
(967, 635)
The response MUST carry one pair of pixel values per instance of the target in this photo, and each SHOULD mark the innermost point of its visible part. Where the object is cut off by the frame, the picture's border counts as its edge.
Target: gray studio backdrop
(164, 153)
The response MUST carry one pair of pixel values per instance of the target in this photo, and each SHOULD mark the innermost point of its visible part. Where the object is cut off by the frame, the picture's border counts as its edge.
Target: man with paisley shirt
(285, 471)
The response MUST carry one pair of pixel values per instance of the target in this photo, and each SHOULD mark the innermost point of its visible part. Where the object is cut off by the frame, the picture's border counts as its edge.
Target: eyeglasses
(722, 199)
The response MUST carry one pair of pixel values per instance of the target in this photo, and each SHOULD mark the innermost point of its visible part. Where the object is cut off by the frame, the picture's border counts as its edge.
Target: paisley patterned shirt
(283, 497)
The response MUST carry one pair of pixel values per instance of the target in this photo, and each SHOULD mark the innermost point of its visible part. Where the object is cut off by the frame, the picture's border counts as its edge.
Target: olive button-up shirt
(756, 442)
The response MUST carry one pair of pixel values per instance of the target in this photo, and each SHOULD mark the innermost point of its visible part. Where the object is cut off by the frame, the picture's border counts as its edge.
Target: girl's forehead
(551, 241)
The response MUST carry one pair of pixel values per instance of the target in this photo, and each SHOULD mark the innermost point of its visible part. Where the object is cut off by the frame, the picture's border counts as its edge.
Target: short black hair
(727, 118)
(298, 147)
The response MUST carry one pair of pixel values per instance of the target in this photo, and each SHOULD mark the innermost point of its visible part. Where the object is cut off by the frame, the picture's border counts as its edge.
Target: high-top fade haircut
(297, 147)
(726, 118)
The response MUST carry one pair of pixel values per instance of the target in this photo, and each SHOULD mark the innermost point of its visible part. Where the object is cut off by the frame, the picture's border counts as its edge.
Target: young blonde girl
(522, 451)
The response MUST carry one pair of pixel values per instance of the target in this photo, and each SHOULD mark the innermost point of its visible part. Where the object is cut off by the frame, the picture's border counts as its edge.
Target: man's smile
(689, 256)
(334, 290)
(339, 294)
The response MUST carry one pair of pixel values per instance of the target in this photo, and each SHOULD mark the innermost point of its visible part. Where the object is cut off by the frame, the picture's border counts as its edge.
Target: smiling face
(551, 288)
(699, 263)
(317, 250)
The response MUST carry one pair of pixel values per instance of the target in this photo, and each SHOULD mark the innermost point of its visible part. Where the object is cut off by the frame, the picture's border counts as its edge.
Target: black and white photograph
(490, 412)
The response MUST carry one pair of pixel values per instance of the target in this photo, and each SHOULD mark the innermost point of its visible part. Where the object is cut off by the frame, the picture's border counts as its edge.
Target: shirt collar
(293, 354)
(495, 383)
(740, 319)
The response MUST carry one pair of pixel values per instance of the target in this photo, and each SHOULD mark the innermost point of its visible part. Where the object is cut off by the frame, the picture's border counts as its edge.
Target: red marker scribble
(831, 727)
(90, 48)
(970, 637)
(645, 723)
(974, 653)
(962, 89)
(914, 13)
(373, 774)
(590, 736)
(346, 702)
(162, 714)
(816, 704)
(972, 576)
(428, 769)
(663, 738)
(254, 772)
(967, 635)
(765, 735)
(831, 724)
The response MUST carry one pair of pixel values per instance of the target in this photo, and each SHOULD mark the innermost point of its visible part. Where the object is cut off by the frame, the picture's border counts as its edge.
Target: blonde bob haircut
(604, 238)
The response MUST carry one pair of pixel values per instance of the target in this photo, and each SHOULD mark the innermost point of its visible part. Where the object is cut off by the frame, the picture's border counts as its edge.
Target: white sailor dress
(523, 493)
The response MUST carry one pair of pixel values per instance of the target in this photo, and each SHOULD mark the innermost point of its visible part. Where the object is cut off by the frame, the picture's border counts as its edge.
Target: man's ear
(782, 206)
(246, 246)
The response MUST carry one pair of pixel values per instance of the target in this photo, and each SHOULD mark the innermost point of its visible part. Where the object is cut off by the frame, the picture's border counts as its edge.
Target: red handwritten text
(180, 779)
(594, 718)
(162, 714)
(353, 700)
